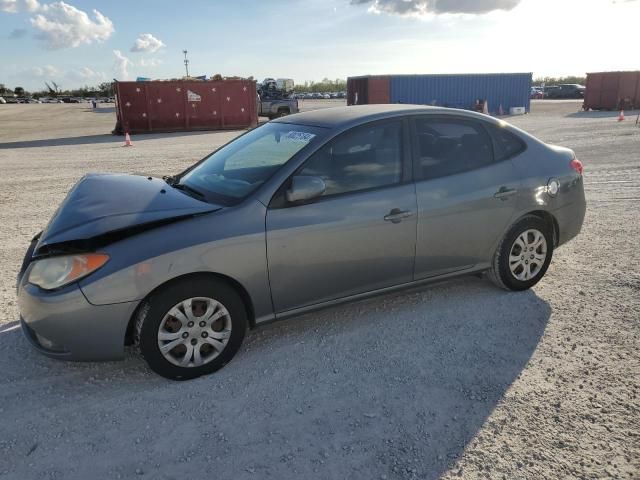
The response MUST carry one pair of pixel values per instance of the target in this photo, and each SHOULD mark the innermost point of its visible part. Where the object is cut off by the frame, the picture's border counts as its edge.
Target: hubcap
(528, 254)
(194, 332)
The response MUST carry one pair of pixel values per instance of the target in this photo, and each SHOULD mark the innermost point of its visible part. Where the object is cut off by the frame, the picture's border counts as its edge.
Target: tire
(224, 319)
(282, 113)
(512, 273)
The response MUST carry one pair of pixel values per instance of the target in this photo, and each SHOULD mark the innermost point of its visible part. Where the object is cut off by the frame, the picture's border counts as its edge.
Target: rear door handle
(505, 193)
(396, 215)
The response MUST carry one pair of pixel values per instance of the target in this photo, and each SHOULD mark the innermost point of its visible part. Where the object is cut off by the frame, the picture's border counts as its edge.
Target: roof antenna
(186, 62)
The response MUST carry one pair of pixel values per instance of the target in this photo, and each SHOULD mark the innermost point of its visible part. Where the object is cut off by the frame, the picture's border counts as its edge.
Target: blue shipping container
(461, 91)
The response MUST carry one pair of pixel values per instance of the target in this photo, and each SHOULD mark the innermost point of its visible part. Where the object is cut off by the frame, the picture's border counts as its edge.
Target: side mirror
(305, 187)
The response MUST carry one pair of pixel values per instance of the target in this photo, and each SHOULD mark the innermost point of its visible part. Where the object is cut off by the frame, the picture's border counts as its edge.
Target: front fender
(230, 243)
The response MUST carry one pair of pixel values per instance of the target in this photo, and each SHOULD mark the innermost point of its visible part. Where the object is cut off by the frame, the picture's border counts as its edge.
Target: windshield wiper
(188, 190)
(170, 179)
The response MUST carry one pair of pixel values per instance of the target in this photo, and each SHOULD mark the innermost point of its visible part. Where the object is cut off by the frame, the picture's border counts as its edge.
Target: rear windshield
(234, 171)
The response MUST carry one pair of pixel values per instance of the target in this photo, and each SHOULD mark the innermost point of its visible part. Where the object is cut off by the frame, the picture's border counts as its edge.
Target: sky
(85, 42)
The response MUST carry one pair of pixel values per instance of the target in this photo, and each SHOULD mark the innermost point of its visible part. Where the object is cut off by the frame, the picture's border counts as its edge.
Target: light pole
(186, 62)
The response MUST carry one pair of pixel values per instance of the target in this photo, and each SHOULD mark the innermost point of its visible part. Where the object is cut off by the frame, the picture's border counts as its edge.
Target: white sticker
(193, 96)
(304, 137)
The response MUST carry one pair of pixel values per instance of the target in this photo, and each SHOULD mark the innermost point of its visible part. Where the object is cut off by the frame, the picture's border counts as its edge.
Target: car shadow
(96, 139)
(101, 110)
(398, 386)
(603, 114)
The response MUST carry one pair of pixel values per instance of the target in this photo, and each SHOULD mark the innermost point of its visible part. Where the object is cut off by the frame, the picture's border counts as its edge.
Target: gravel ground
(456, 380)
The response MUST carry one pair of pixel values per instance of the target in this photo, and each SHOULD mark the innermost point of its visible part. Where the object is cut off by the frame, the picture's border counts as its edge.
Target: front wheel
(524, 254)
(191, 327)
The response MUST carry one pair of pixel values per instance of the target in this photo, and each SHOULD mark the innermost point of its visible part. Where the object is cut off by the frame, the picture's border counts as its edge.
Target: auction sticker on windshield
(293, 136)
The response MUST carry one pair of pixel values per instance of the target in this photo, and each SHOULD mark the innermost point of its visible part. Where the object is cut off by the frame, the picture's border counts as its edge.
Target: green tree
(105, 89)
(18, 91)
(558, 80)
(325, 85)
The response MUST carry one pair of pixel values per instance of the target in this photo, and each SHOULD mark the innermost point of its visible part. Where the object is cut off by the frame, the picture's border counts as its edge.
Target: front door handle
(396, 215)
(505, 193)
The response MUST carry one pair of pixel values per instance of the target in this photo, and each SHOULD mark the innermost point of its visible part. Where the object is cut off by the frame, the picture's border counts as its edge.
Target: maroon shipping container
(158, 106)
(368, 90)
(612, 91)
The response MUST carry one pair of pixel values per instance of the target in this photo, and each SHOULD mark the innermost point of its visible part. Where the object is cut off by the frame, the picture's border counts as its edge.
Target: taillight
(577, 165)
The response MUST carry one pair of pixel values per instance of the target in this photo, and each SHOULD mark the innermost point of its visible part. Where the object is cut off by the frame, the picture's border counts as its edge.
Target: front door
(359, 235)
(466, 192)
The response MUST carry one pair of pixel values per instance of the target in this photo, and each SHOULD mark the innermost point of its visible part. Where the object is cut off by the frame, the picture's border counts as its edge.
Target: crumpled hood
(104, 203)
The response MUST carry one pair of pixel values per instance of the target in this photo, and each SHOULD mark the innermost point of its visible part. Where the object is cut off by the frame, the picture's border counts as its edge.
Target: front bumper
(63, 324)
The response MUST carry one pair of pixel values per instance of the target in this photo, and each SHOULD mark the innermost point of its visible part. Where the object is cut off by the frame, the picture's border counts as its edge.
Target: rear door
(466, 194)
(360, 234)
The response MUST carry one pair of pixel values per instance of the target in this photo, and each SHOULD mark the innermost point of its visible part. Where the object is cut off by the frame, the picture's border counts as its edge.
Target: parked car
(567, 90)
(326, 96)
(305, 211)
(536, 93)
(2, 100)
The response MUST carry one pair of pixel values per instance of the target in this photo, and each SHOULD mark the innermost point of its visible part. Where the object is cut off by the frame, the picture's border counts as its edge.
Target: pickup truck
(276, 107)
(276, 98)
(565, 90)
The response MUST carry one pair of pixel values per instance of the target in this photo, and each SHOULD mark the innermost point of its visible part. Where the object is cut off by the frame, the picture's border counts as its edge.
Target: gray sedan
(301, 213)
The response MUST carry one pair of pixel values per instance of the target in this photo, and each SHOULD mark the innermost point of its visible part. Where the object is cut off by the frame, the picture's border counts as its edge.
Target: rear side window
(506, 144)
(449, 146)
(363, 158)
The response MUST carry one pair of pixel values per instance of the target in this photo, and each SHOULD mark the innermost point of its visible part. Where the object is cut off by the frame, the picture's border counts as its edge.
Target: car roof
(344, 117)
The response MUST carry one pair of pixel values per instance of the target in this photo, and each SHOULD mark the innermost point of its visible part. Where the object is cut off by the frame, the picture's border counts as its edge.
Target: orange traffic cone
(500, 110)
(621, 116)
(127, 140)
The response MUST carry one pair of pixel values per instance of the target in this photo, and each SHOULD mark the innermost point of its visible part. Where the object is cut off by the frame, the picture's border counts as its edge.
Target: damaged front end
(103, 209)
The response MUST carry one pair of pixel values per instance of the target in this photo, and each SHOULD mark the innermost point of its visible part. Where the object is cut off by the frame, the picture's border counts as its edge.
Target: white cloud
(17, 33)
(149, 62)
(423, 7)
(85, 75)
(15, 6)
(121, 66)
(61, 25)
(9, 6)
(48, 71)
(147, 43)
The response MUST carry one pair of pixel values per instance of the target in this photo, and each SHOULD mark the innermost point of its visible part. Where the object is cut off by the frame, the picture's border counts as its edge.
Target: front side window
(237, 169)
(446, 147)
(363, 158)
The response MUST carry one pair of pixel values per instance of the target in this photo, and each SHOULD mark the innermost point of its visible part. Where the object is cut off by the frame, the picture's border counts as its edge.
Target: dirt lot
(456, 380)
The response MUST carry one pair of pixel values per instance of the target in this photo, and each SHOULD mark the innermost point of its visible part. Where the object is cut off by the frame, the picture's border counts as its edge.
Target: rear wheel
(190, 328)
(524, 254)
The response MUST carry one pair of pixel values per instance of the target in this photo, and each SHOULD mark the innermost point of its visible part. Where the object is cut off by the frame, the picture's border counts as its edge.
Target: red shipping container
(158, 106)
(368, 90)
(612, 91)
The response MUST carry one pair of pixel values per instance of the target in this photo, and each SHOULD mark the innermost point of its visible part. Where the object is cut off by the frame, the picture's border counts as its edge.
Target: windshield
(231, 173)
